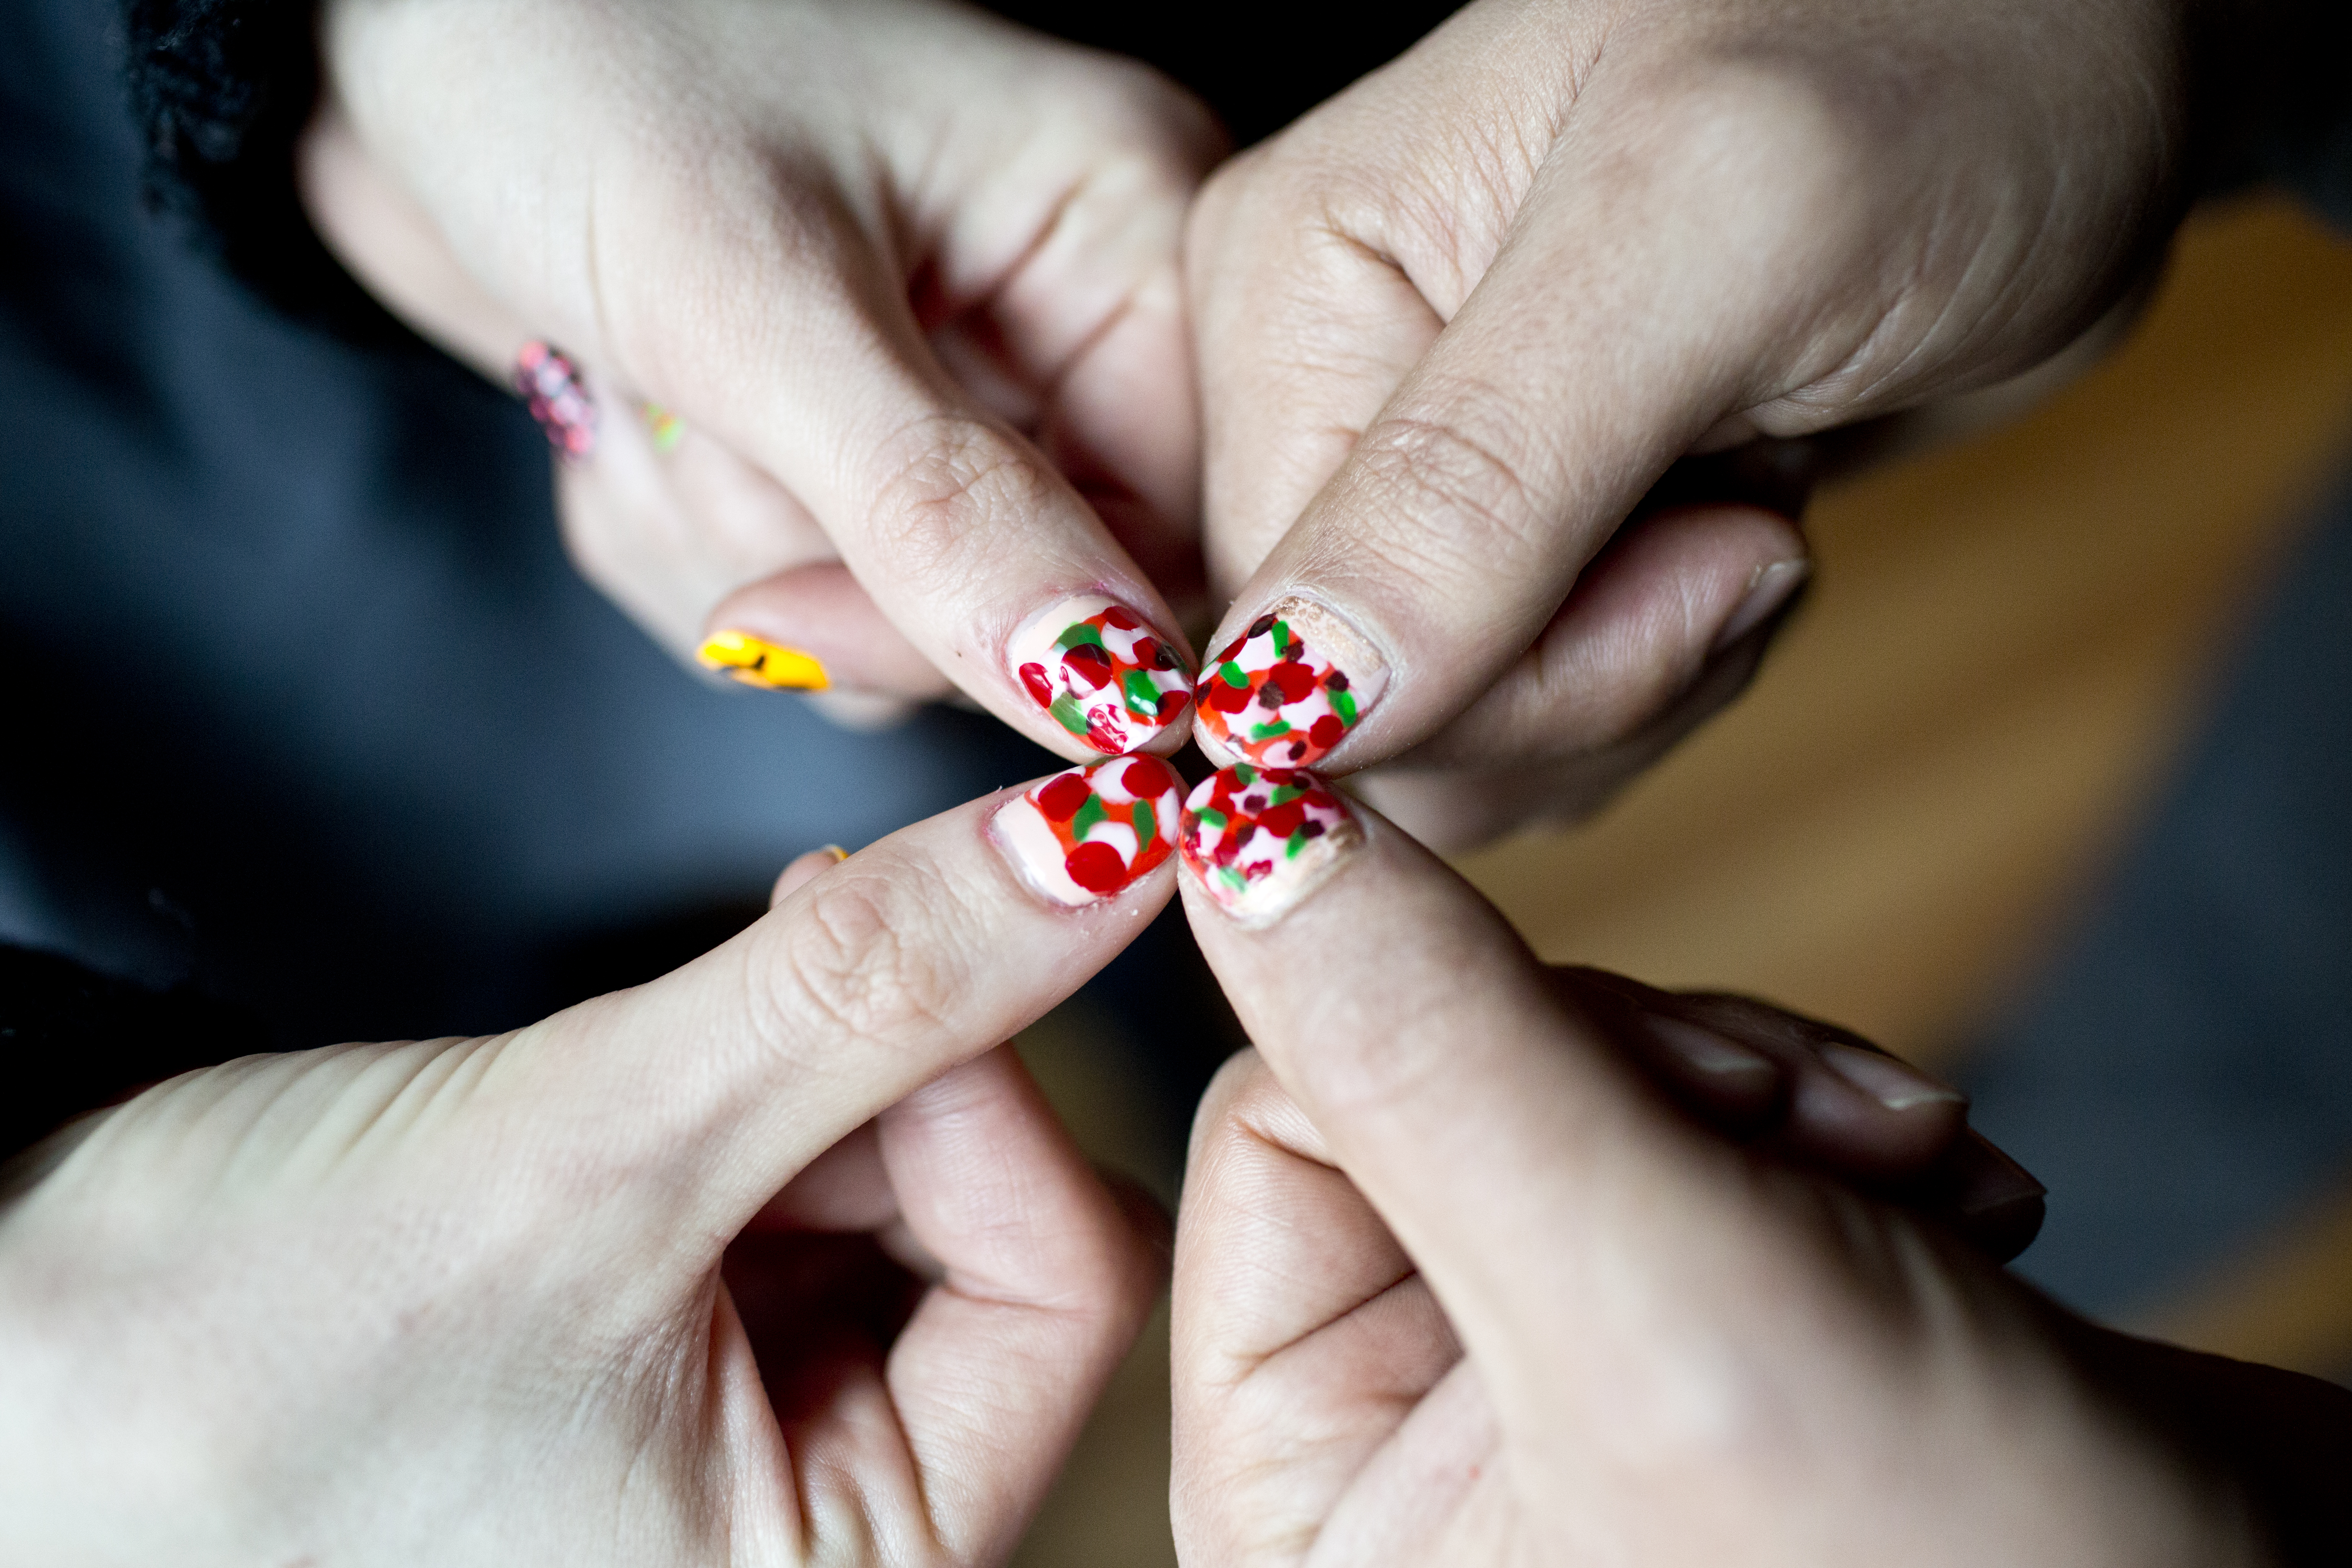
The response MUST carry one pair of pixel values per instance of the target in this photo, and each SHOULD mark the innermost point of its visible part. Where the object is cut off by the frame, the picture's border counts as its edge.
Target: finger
(1304, 333)
(1301, 1335)
(1047, 1280)
(1484, 1123)
(1669, 597)
(983, 557)
(1567, 381)
(1824, 1098)
(813, 628)
(715, 1084)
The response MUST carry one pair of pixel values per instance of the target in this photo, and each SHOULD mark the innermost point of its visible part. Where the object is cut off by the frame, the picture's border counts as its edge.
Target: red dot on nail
(1062, 796)
(1283, 820)
(1328, 732)
(1147, 778)
(1295, 679)
(1033, 676)
(1172, 703)
(1089, 664)
(1122, 617)
(1097, 868)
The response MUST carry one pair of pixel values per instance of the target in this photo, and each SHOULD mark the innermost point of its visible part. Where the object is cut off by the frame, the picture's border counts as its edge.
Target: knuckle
(952, 488)
(1452, 484)
(848, 965)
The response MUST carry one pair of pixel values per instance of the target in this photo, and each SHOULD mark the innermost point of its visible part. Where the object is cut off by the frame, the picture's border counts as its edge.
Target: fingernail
(1101, 671)
(835, 850)
(552, 389)
(1260, 840)
(756, 661)
(1769, 588)
(1989, 1179)
(1706, 1052)
(1896, 1085)
(1289, 689)
(1093, 832)
(663, 427)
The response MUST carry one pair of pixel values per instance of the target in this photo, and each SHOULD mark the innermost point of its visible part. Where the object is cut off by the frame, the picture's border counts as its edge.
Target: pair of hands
(957, 328)
(781, 1259)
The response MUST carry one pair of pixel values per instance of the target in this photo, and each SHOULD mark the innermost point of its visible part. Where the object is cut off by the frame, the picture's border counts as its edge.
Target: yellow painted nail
(837, 852)
(666, 428)
(756, 661)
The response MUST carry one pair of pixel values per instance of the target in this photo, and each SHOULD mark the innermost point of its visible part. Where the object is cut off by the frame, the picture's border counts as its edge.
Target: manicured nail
(1092, 832)
(552, 389)
(835, 850)
(1898, 1086)
(1261, 838)
(1290, 687)
(663, 427)
(1706, 1053)
(1102, 672)
(1768, 589)
(756, 661)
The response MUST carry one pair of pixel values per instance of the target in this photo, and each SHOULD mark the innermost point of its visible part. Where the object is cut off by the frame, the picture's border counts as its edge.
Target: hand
(774, 1260)
(1456, 1283)
(905, 275)
(1456, 322)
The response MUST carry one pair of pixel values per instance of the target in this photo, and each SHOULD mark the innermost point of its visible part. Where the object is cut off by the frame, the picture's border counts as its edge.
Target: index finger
(1508, 1147)
(710, 1087)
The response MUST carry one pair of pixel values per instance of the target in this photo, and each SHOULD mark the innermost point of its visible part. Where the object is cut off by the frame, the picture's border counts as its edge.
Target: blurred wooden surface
(2005, 643)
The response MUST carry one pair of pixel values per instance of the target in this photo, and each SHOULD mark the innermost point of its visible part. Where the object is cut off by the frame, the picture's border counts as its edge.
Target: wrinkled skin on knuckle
(859, 964)
(958, 491)
(1455, 482)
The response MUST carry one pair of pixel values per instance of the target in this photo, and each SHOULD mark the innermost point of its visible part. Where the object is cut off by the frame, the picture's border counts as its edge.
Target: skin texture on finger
(717, 1082)
(1635, 633)
(1284, 1277)
(1680, 1337)
(1046, 1282)
(831, 169)
(1639, 223)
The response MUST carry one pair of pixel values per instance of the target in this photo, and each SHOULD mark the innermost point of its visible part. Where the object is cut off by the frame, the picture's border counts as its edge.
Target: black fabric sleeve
(219, 91)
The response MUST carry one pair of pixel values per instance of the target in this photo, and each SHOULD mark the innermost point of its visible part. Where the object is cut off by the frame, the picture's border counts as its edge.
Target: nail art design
(552, 389)
(1103, 674)
(1260, 838)
(756, 661)
(1093, 832)
(1290, 687)
(663, 427)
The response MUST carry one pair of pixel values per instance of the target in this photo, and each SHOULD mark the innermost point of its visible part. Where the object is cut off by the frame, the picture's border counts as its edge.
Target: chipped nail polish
(552, 389)
(1102, 672)
(1897, 1085)
(755, 661)
(1094, 831)
(1261, 838)
(1289, 689)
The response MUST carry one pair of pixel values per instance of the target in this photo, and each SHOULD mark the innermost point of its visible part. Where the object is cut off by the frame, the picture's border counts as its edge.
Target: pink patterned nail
(1102, 672)
(1260, 840)
(1289, 689)
(552, 389)
(1092, 832)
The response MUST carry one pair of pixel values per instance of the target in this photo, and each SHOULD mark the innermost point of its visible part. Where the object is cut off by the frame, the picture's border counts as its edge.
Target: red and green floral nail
(1289, 689)
(1092, 832)
(1260, 837)
(1102, 672)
